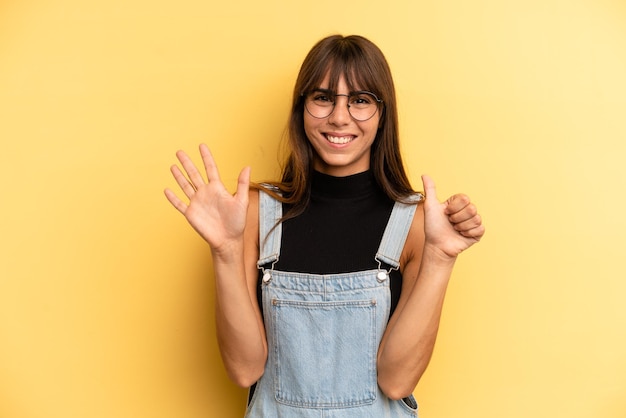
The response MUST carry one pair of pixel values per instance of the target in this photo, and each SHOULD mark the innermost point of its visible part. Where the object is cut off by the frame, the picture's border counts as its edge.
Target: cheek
(371, 130)
(310, 125)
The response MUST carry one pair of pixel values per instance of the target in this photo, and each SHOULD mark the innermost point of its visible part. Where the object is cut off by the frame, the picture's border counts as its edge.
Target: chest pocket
(325, 352)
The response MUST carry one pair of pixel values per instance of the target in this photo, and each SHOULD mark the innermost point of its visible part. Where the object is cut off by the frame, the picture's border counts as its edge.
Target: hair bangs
(354, 70)
(345, 58)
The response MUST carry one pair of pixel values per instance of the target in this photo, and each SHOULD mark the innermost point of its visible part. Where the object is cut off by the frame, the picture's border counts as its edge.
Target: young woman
(330, 282)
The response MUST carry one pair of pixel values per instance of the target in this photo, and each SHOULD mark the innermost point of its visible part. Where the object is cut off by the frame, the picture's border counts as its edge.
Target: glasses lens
(319, 104)
(361, 105)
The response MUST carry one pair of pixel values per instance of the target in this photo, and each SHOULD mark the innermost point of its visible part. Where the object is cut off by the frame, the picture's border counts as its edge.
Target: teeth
(339, 139)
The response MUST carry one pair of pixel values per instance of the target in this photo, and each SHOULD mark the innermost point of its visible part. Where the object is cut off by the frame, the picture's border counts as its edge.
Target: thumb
(429, 188)
(243, 185)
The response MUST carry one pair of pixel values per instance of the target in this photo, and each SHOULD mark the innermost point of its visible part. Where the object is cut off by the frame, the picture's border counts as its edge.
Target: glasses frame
(379, 102)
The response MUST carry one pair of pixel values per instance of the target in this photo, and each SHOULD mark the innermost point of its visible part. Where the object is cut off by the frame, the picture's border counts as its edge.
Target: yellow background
(106, 295)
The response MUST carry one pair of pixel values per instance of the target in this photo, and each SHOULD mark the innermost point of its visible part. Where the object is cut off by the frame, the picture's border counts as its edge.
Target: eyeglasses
(362, 105)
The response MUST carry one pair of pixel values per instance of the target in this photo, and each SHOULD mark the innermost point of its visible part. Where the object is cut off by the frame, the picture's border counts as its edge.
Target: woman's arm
(439, 233)
(240, 329)
(229, 224)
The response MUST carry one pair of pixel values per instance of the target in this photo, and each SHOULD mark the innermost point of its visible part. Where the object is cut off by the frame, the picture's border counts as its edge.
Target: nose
(340, 114)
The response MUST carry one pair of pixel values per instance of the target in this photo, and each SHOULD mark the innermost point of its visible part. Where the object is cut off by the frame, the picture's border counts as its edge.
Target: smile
(339, 139)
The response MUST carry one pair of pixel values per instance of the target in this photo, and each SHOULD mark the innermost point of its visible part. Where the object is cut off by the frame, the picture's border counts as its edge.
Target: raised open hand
(216, 215)
(452, 226)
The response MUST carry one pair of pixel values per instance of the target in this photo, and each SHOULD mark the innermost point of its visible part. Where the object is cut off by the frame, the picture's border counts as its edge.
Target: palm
(213, 212)
(216, 214)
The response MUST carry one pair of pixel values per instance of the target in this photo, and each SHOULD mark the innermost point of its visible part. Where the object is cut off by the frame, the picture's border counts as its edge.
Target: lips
(339, 139)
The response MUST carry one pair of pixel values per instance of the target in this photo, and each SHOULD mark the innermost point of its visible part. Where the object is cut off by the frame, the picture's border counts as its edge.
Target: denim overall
(323, 331)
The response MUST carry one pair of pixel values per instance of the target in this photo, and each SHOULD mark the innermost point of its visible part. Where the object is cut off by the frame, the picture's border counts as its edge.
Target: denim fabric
(323, 332)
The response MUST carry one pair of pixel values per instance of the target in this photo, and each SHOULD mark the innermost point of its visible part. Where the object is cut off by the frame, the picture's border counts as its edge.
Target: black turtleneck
(340, 230)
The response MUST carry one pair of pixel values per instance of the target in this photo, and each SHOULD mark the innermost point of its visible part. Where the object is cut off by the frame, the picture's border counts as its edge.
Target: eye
(362, 99)
(321, 97)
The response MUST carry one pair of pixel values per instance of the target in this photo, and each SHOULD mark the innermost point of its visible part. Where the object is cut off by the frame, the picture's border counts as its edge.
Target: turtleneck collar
(356, 185)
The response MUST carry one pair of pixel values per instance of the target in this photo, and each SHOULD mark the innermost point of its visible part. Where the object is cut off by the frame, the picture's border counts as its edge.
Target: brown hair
(364, 66)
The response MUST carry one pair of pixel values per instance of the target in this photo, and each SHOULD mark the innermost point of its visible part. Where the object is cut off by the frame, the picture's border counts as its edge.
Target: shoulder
(256, 194)
(414, 244)
(252, 222)
(253, 203)
(254, 199)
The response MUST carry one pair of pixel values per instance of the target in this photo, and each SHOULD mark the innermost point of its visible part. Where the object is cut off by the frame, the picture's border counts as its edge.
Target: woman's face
(341, 143)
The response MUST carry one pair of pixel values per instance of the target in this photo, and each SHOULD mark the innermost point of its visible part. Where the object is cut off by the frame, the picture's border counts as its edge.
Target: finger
(184, 183)
(465, 213)
(243, 186)
(175, 201)
(457, 203)
(209, 163)
(474, 233)
(195, 177)
(469, 224)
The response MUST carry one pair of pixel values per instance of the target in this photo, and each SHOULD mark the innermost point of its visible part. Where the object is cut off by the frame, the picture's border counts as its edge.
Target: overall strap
(270, 212)
(396, 232)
